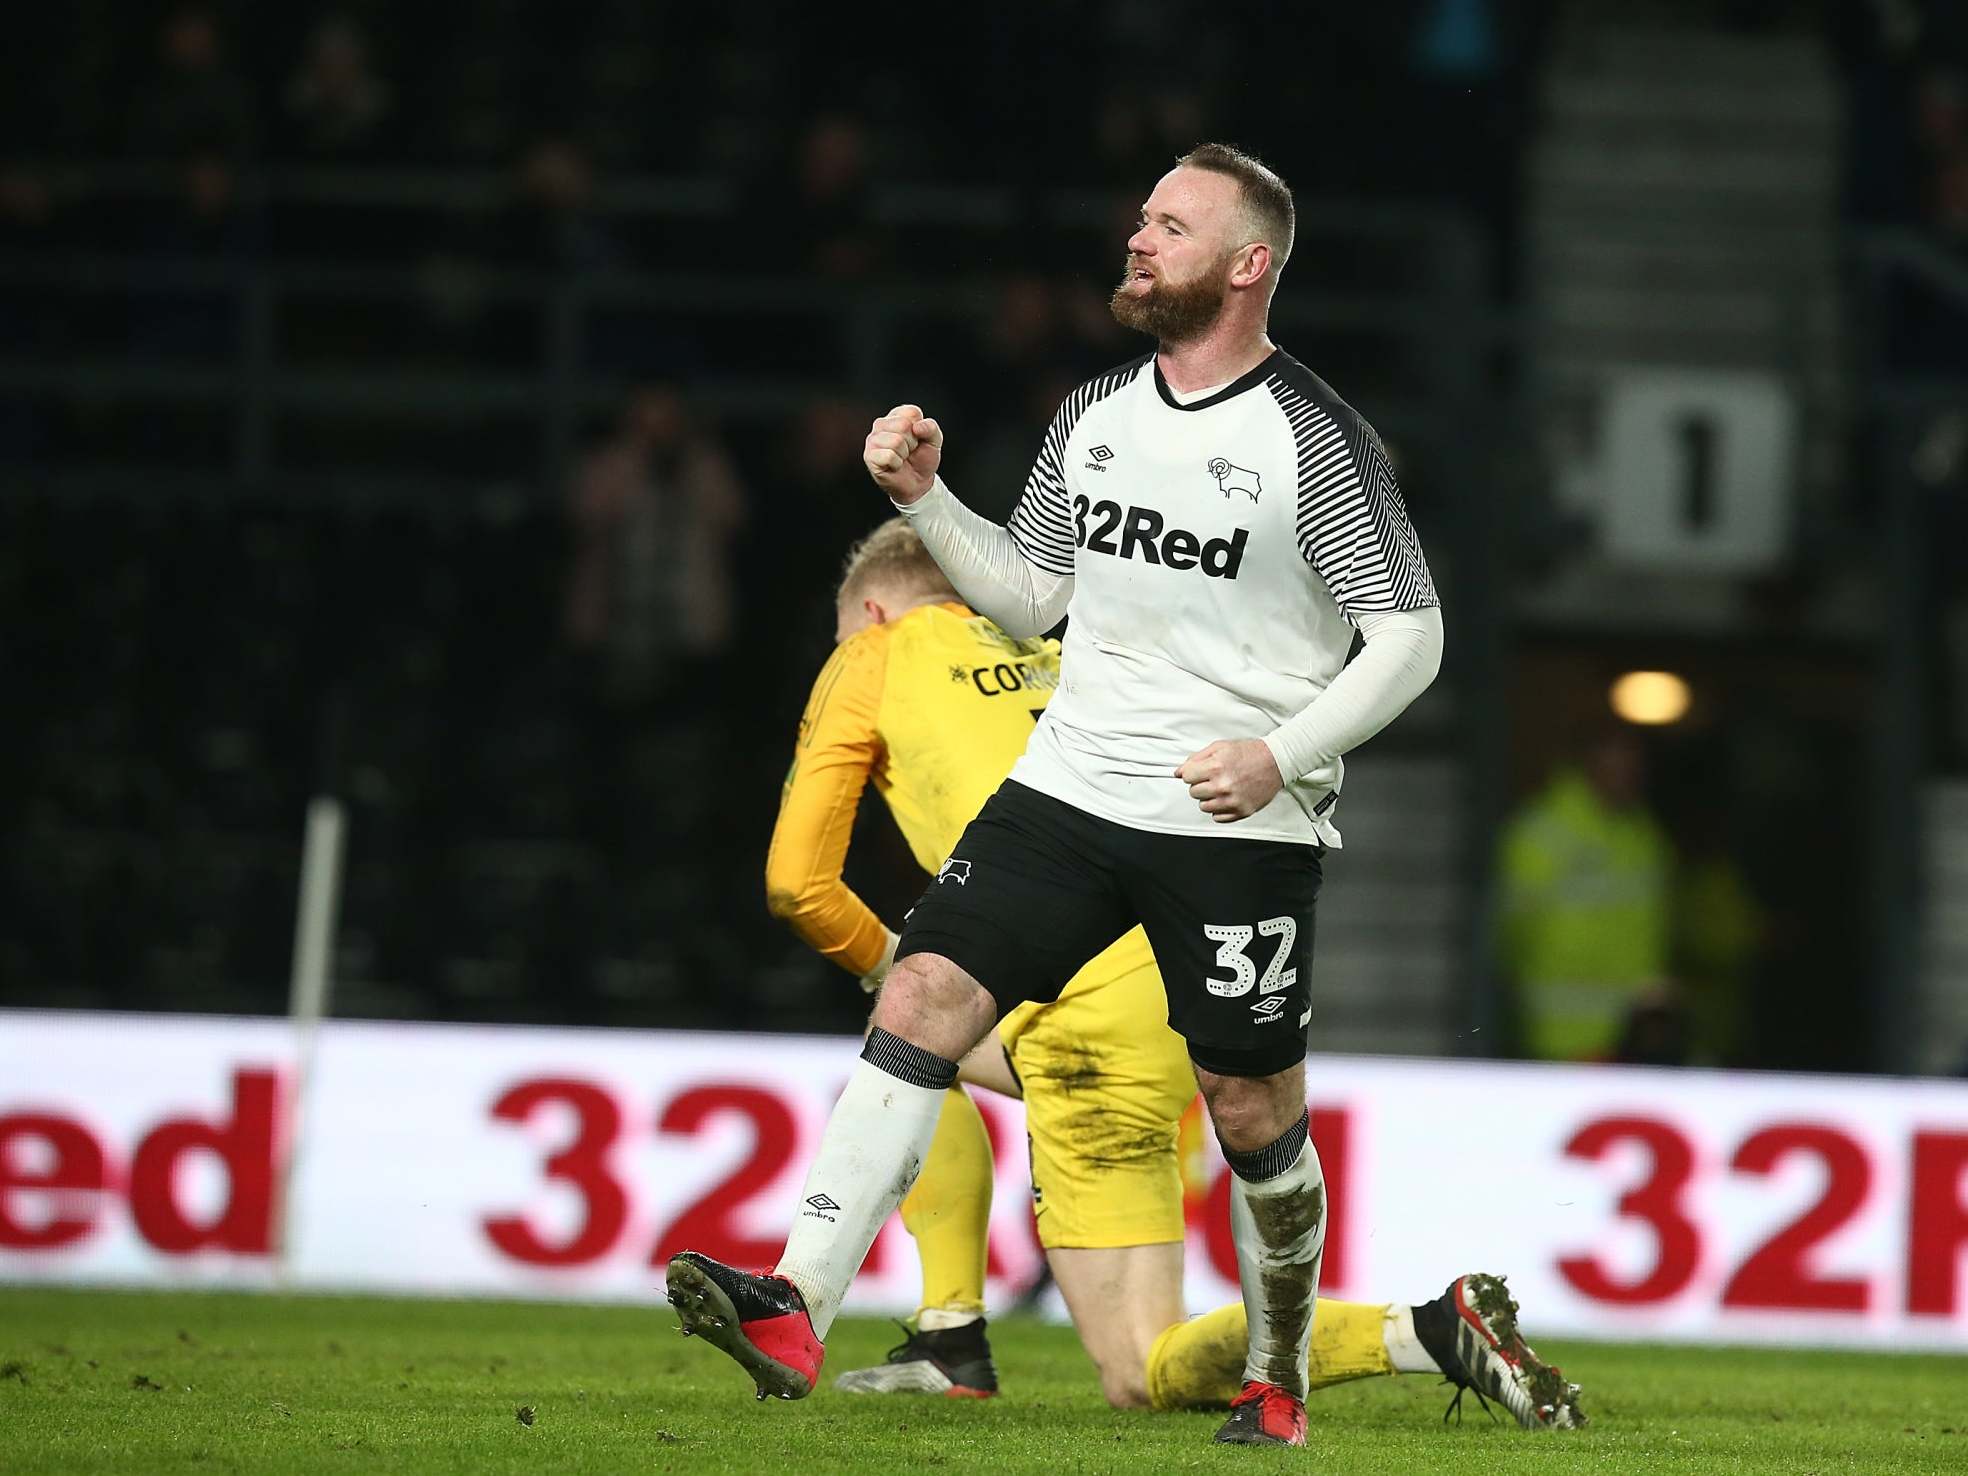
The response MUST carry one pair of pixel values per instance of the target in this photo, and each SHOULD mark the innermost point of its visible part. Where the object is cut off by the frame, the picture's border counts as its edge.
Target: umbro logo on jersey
(1233, 478)
(956, 871)
(1143, 536)
(1101, 456)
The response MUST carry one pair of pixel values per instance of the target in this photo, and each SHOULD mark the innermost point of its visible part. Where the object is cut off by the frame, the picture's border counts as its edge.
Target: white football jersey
(1218, 551)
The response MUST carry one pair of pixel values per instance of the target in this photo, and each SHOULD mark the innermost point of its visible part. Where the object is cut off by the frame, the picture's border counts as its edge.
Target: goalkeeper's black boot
(952, 1361)
(760, 1321)
(1471, 1331)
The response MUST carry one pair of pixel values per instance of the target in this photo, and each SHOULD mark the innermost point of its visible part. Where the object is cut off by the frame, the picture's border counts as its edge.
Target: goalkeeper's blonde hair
(894, 558)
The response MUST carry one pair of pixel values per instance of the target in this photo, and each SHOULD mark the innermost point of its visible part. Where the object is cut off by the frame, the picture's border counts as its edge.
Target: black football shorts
(1036, 888)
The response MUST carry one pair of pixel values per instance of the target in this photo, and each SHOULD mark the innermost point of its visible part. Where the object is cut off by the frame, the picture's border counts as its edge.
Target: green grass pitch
(158, 1383)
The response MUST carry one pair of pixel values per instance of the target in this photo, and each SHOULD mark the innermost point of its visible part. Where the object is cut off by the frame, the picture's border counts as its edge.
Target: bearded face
(1170, 312)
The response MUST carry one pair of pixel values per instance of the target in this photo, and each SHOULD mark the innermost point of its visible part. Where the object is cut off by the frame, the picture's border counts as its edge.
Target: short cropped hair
(1267, 199)
(893, 557)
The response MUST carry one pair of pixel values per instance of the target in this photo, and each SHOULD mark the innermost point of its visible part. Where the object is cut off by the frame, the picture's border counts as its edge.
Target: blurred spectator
(655, 510)
(1455, 40)
(818, 478)
(1042, 341)
(1942, 105)
(552, 225)
(1138, 135)
(1585, 876)
(1039, 341)
(208, 220)
(830, 209)
(1719, 930)
(31, 320)
(1025, 336)
(825, 481)
(740, 84)
(206, 225)
(195, 103)
(998, 456)
(1655, 1031)
(336, 105)
(27, 209)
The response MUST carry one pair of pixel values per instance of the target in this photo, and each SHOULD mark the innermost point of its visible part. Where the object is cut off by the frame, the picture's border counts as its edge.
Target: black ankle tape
(1274, 1158)
(913, 1064)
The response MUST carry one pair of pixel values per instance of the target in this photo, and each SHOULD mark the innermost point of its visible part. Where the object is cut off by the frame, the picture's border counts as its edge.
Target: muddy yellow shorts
(1106, 1083)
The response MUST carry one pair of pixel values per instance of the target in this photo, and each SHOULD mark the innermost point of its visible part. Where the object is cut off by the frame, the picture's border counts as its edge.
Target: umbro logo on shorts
(1269, 1009)
(956, 871)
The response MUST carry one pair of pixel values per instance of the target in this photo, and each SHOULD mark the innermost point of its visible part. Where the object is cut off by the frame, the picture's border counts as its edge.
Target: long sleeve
(1402, 654)
(1021, 574)
(839, 746)
(988, 566)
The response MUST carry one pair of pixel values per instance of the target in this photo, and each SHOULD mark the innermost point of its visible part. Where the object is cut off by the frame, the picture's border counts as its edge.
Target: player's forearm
(985, 564)
(803, 864)
(1403, 652)
(831, 920)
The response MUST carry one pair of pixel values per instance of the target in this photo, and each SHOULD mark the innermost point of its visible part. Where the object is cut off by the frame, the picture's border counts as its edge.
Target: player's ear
(1252, 262)
(876, 611)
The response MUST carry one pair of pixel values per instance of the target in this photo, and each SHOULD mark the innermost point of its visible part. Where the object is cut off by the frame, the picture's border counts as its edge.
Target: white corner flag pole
(308, 999)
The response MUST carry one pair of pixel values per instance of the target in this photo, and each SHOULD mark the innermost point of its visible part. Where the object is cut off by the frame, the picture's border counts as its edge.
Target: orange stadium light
(1651, 699)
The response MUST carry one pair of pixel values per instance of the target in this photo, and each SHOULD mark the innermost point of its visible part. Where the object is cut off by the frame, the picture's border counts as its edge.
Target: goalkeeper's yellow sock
(949, 1213)
(1199, 1364)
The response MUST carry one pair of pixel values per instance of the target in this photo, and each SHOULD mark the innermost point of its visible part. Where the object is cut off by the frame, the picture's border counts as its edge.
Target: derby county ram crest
(1231, 478)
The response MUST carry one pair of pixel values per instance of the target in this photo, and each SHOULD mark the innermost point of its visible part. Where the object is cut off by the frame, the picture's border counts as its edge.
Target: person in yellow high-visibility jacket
(1586, 884)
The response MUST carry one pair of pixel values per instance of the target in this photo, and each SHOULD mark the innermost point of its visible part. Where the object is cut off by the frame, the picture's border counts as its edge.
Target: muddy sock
(1278, 1220)
(1199, 1364)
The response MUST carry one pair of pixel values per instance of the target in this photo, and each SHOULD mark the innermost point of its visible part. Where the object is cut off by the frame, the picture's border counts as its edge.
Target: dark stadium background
(320, 325)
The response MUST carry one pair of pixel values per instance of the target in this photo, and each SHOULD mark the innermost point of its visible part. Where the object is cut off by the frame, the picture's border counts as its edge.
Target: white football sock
(1279, 1225)
(1404, 1349)
(941, 1319)
(869, 1156)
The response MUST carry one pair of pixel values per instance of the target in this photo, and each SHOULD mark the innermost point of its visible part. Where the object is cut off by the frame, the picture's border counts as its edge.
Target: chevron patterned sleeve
(1353, 525)
(1042, 523)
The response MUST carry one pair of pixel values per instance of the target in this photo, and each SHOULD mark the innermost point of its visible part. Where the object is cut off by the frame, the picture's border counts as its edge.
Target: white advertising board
(1701, 1206)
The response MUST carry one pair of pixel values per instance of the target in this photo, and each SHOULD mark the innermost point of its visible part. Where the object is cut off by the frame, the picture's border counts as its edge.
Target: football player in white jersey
(1218, 523)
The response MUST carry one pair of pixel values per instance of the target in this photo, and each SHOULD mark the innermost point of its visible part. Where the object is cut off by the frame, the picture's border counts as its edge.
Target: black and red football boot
(760, 1321)
(1264, 1414)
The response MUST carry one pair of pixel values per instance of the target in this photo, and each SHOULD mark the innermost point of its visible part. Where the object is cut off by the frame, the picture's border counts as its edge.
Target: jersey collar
(1250, 379)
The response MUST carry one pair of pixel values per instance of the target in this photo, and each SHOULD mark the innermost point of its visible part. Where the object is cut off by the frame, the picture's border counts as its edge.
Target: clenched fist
(903, 450)
(1232, 779)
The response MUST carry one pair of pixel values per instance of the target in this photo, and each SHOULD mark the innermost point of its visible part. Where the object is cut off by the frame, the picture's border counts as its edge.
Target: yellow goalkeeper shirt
(935, 707)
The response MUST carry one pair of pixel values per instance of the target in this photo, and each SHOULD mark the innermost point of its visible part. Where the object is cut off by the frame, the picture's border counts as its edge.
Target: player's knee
(1240, 1127)
(916, 984)
(931, 1002)
(1125, 1388)
(1250, 1112)
(1120, 1356)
